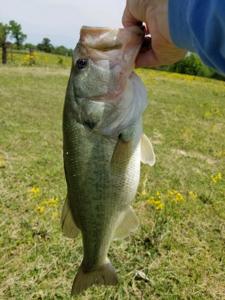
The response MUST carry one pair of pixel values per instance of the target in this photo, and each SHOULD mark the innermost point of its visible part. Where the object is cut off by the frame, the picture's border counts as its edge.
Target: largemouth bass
(103, 146)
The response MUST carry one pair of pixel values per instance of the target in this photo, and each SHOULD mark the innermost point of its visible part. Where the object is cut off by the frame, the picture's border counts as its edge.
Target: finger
(147, 56)
(146, 59)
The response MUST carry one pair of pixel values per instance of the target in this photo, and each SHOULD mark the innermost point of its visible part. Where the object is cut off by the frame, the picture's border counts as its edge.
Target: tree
(62, 50)
(16, 33)
(4, 31)
(45, 45)
(30, 46)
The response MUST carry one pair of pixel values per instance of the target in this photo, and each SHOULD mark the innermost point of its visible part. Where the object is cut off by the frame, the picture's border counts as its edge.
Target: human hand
(159, 48)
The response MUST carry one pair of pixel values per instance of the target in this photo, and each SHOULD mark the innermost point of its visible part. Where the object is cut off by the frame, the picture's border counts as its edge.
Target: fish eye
(81, 63)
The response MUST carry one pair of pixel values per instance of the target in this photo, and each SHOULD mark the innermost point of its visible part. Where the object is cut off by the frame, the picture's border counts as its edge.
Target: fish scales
(100, 189)
(102, 146)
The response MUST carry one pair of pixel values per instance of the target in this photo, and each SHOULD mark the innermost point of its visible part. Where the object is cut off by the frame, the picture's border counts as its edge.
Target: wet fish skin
(102, 131)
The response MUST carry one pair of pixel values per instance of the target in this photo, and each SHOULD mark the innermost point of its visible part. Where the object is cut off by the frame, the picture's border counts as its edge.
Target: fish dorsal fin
(128, 223)
(147, 152)
(69, 227)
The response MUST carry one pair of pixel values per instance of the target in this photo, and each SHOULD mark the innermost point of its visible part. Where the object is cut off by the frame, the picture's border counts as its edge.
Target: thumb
(128, 19)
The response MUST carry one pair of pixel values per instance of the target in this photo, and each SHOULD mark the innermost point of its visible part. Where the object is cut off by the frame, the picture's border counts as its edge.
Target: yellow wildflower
(40, 209)
(156, 203)
(29, 59)
(193, 195)
(179, 197)
(175, 196)
(52, 202)
(35, 191)
(216, 178)
(44, 203)
(160, 206)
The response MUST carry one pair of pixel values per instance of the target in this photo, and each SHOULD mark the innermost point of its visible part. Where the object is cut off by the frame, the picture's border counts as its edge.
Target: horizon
(62, 19)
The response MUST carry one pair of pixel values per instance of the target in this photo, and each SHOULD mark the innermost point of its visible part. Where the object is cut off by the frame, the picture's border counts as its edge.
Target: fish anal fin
(103, 275)
(127, 224)
(69, 227)
(147, 152)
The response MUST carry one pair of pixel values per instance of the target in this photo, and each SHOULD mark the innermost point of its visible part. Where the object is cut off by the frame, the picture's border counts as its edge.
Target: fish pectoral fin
(147, 152)
(127, 224)
(124, 147)
(120, 154)
(69, 227)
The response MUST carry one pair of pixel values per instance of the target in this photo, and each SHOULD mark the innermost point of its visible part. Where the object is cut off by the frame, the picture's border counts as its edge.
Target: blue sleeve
(199, 26)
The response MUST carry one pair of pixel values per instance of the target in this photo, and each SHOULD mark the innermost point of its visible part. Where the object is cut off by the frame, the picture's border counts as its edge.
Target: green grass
(179, 246)
(38, 58)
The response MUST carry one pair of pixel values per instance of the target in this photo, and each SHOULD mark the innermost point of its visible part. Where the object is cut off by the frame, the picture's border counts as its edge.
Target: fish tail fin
(104, 275)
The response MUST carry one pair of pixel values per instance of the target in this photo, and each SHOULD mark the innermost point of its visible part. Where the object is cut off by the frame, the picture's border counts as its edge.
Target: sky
(60, 20)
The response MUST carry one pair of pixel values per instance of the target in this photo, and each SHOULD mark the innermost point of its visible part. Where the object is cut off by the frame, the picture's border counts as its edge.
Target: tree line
(13, 31)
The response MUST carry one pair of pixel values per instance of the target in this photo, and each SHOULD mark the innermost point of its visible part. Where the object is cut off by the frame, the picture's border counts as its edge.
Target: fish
(103, 146)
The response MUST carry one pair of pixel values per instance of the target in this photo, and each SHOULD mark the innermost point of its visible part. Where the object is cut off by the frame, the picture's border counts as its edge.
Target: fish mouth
(118, 46)
(100, 38)
(107, 39)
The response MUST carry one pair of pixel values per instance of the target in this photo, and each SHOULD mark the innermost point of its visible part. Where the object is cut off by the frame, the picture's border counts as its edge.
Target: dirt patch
(195, 155)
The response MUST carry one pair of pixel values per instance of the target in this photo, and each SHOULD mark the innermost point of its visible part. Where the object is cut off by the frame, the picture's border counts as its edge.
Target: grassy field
(178, 251)
(37, 58)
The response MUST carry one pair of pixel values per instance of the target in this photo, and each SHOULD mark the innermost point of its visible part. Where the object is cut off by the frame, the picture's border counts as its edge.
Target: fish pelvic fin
(147, 152)
(104, 275)
(69, 227)
(128, 223)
